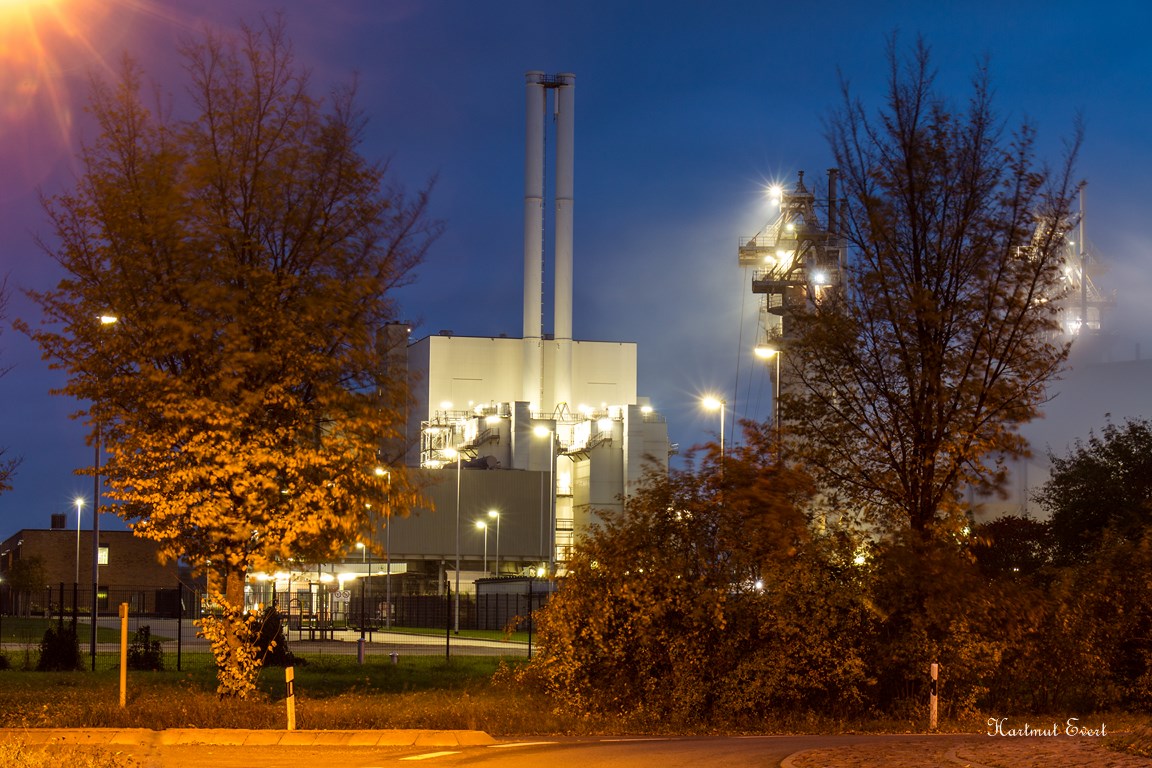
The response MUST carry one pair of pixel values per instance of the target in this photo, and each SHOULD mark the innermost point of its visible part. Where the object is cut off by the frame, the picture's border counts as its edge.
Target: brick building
(130, 568)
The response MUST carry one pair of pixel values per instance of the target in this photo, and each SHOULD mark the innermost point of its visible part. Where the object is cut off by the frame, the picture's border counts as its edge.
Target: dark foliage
(1013, 546)
(1104, 483)
(145, 653)
(272, 642)
(59, 650)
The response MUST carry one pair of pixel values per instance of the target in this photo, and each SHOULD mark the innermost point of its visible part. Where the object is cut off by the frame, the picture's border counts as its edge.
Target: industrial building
(797, 258)
(801, 256)
(546, 429)
(518, 442)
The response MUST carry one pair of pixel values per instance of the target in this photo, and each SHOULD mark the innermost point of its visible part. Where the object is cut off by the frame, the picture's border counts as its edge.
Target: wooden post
(123, 655)
(290, 689)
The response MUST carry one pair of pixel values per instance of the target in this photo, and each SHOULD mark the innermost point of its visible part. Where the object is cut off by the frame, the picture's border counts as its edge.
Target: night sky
(685, 112)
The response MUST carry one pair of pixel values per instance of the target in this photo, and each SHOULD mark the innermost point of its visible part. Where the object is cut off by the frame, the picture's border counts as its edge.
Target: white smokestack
(533, 239)
(562, 323)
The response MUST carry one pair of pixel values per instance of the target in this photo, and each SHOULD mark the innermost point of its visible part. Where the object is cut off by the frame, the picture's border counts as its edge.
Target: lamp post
(493, 514)
(452, 452)
(381, 472)
(79, 506)
(363, 585)
(765, 352)
(483, 526)
(105, 320)
(542, 431)
(713, 404)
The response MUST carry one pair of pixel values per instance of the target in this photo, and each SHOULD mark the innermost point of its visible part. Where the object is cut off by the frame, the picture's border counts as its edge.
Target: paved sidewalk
(972, 752)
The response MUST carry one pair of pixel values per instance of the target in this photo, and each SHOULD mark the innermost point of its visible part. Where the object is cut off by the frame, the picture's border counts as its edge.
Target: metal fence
(316, 624)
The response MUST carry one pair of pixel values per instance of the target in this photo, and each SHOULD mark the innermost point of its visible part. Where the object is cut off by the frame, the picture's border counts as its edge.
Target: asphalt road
(714, 752)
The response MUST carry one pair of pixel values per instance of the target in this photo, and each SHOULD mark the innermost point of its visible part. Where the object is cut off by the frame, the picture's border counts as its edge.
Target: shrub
(144, 653)
(271, 643)
(59, 650)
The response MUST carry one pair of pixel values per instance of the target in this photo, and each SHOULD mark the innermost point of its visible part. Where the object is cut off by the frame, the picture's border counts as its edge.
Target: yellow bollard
(290, 688)
(123, 655)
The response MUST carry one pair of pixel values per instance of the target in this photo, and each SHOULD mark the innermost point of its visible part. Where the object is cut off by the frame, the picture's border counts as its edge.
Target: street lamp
(453, 453)
(483, 526)
(765, 352)
(493, 514)
(713, 404)
(381, 472)
(79, 506)
(363, 585)
(542, 431)
(105, 320)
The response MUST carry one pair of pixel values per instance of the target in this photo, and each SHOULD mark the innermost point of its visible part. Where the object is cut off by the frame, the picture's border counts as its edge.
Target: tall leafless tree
(914, 376)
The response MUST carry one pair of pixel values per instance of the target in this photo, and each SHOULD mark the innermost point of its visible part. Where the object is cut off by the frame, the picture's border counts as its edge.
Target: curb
(235, 738)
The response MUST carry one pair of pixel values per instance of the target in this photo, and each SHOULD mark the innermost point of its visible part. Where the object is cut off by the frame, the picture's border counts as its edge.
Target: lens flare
(38, 40)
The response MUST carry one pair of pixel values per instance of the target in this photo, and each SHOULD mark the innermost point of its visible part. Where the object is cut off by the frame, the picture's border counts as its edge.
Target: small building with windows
(130, 571)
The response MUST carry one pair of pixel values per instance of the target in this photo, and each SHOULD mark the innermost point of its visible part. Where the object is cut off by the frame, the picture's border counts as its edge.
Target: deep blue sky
(684, 112)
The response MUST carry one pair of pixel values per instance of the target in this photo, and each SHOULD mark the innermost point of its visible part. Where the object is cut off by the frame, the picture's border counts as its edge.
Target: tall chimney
(533, 240)
(562, 323)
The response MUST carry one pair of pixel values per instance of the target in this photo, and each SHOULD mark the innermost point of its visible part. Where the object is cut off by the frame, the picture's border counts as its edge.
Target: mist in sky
(685, 112)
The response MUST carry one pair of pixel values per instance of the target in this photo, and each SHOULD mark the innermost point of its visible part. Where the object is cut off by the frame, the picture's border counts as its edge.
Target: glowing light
(445, 405)
(819, 278)
(766, 352)
(712, 403)
(604, 425)
(41, 43)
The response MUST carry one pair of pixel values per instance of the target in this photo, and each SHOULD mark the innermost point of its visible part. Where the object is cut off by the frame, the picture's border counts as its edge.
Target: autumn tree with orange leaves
(250, 253)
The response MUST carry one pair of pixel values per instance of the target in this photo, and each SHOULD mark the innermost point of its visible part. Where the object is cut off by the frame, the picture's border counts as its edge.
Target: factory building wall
(429, 532)
(480, 370)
